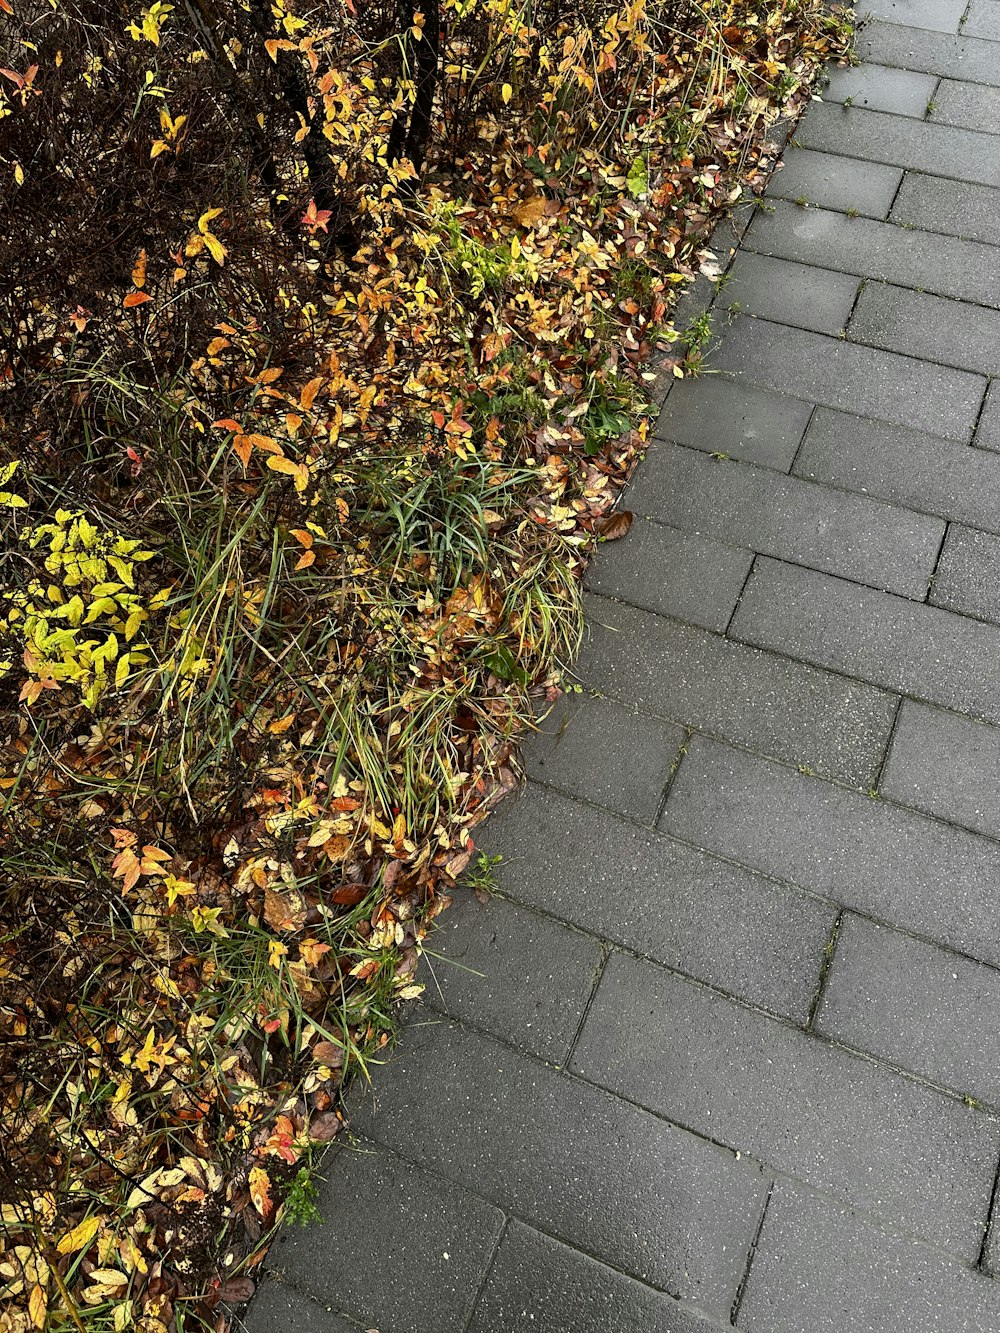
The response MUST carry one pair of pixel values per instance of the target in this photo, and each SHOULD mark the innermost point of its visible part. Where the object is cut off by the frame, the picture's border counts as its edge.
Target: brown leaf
(328, 1053)
(350, 895)
(322, 1128)
(237, 1290)
(613, 526)
(284, 909)
(529, 211)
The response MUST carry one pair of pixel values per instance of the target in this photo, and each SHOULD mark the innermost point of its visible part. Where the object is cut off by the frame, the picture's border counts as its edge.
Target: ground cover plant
(323, 334)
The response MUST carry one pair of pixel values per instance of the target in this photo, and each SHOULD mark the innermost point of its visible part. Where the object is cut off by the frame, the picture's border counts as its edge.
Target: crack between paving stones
(981, 1261)
(937, 562)
(606, 952)
(739, 599)
(824, 971)
(741, 1289)
(877, 785)
(491, 1263)
(682, 750)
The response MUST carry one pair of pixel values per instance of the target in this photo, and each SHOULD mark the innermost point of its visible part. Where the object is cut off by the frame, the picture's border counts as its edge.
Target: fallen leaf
(615, 525)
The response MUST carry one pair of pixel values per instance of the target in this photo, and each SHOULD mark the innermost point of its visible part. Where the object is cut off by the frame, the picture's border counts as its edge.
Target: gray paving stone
(279, 1306)
(904, 466)
(933, 52)
(953, 333)
(898, 644)
(439, 1235)
(836, 374)
(793, 519)
(881, 860)
(969, 105)
(828, 181)
(766, 702)
(540, 1286)
(809, 298)
(821, 1268)
(988, 430)
(637, 1193)
(940, 15)
(881, 89)
(944, 265)
(941, 150)
(722, 417)
(920, 1007)
(521, 976)
(954, 207)
(839, 1122)
(945, 765)
(694, 300)
(968, 574)
(669, 572)
(716, 922)
(609, 754)
(982, 20)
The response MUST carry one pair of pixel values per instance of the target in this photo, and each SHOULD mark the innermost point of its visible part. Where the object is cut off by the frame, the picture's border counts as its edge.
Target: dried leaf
(614, 525)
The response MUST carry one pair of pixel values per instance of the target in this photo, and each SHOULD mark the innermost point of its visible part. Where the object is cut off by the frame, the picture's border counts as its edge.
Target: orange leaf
(309, 394)
(136, 298)
(242, 448)
(301, 535)
(264, 442)
(306, 559)
(139, 272)
(229, 423)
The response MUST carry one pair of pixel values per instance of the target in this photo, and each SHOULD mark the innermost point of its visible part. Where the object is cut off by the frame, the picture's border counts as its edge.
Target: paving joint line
(734, 1309)
(487, 1271)
(824, 970)
(567, 1060)
(990, 1219)
(937, 561)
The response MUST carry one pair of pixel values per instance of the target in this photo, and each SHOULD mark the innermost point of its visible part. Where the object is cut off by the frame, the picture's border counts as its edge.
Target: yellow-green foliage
(93, 583)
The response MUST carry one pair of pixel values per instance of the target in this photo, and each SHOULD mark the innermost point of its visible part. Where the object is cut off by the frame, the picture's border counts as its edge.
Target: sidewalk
(724, 1050)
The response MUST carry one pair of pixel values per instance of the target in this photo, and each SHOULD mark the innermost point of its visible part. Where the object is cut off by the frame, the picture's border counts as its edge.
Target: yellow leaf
(206, 218)
(18, 173)
(139, 272)
(287, 466)
(80, 1237)
(37, 1305)
(215, 248)
(506, 92)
